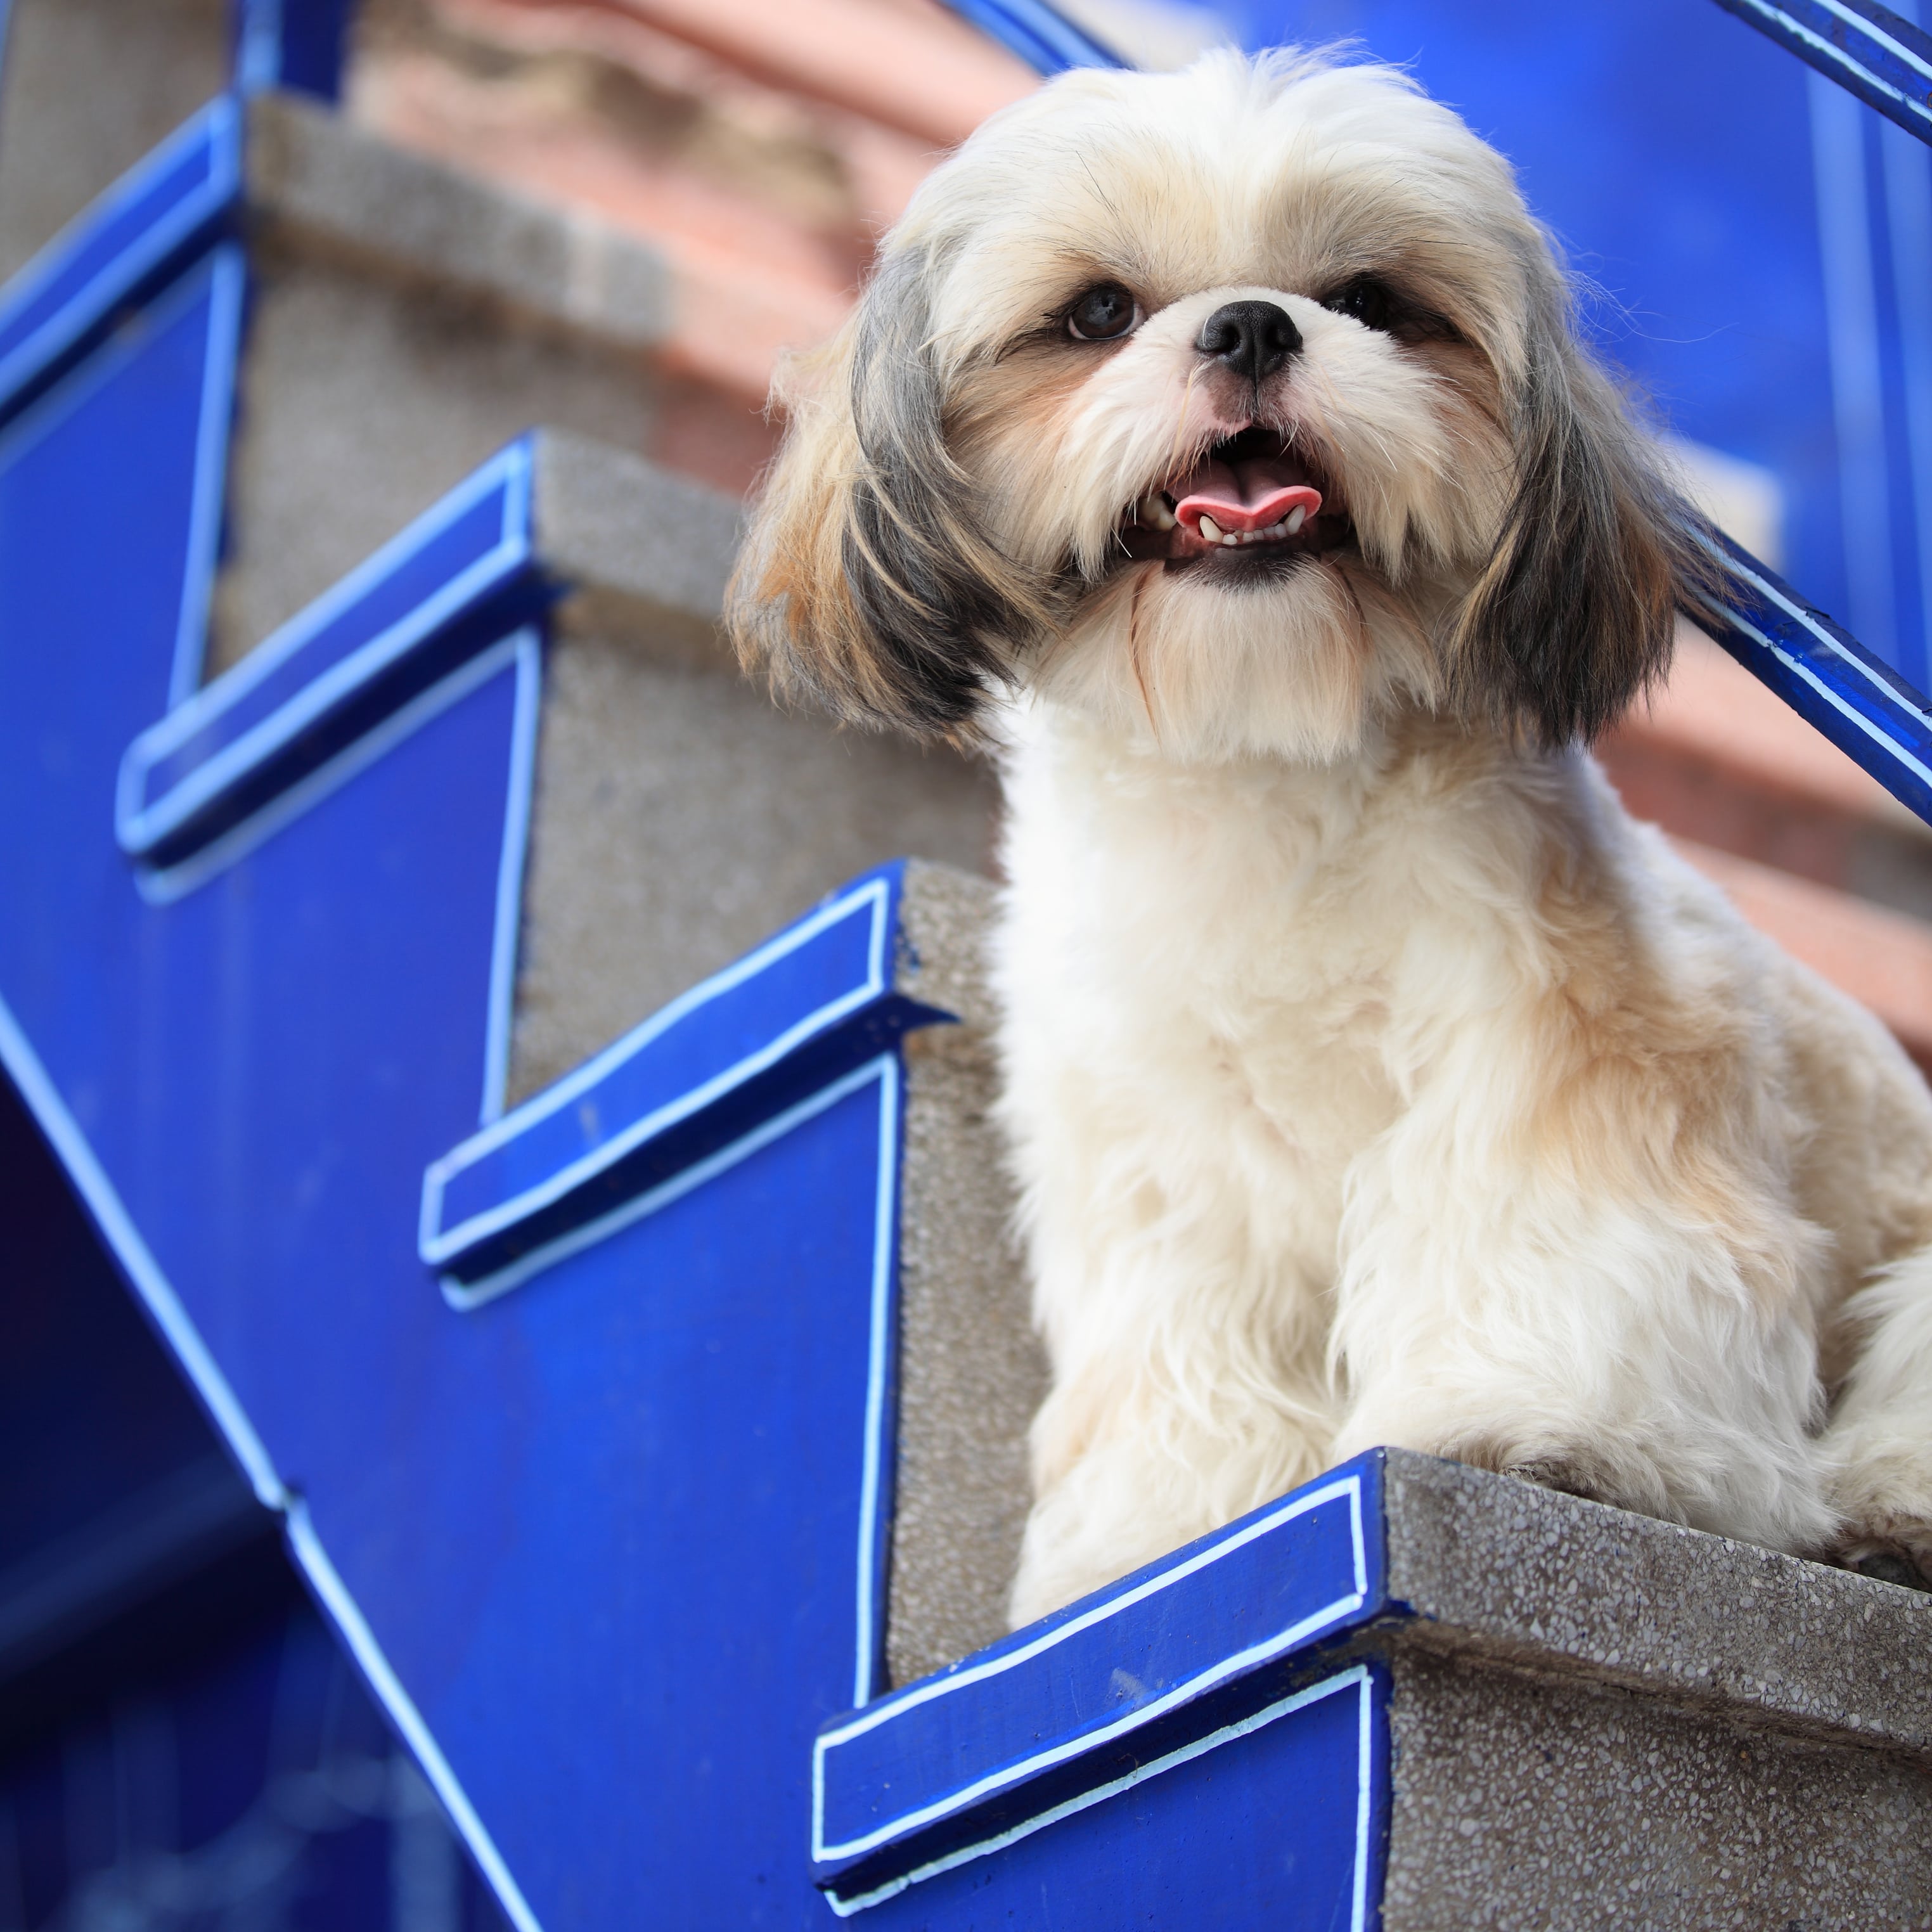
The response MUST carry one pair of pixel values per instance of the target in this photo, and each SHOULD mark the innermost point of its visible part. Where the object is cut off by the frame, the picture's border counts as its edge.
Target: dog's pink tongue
(1251, 495)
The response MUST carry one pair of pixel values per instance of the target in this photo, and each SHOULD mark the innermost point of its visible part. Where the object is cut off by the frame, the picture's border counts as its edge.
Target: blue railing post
(298, 44)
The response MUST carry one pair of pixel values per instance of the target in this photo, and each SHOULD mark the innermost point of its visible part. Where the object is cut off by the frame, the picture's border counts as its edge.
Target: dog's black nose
(1253, 338)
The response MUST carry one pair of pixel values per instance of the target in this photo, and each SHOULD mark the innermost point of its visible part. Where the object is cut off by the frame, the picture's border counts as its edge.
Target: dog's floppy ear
(1574, 613)
(865, 582)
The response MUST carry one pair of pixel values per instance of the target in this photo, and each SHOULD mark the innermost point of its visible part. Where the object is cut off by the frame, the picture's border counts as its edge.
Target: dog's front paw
(1881, 1484)
(1890, 1562)
(1677, 1467)
(1572, 1476)
(1577, 1467)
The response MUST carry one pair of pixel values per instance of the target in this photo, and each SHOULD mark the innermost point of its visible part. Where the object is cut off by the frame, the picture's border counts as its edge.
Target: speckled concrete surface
(971, 1372)
(90, 86)
(1524, 1805)
(645, 551)
(679, 820)
(1503, 1568)
(363, 401)
(946, 914)
(313, 174)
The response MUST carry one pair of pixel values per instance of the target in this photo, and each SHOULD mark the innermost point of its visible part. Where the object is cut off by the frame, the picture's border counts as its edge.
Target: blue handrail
(1045, 40)
(1867, 49)
(1825, 674)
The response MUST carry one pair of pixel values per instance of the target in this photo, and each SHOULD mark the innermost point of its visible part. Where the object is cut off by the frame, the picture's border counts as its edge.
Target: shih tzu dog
(1218, 446)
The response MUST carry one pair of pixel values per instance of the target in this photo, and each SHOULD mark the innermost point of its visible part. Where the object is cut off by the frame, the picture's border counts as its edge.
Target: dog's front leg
(1189, 1383)
(1635, 1329)
(1142, 1449)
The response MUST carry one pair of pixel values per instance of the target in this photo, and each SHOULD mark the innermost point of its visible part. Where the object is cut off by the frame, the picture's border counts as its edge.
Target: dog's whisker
(1181, 421)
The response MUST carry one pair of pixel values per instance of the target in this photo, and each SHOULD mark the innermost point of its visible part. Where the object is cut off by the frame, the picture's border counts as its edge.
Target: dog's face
(1237, 408)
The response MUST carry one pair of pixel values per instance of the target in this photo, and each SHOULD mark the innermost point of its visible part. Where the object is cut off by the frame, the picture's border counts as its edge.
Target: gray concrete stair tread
(1504, 1571)
(326, 181)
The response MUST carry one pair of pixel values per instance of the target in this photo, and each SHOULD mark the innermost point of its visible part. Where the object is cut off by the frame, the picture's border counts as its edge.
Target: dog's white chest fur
(1203, 898)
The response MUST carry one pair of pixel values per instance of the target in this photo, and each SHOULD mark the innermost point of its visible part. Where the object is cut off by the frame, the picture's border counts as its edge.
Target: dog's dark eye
(1375, 305)
(1371, 301)
(1105, 311)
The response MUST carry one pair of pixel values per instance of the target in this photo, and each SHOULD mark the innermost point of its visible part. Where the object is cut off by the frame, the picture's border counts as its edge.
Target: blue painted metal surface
(1279, 1818)
(1074, 1710)
(1867, 49)
(300, 44)
(697, 1087)
(159, 216)
(250, 1785)
(179, 1740)
(124, 1472)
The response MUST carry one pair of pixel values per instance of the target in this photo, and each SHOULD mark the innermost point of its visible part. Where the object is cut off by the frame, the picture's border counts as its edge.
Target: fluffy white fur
(1370, 1077)
(1422, 1099)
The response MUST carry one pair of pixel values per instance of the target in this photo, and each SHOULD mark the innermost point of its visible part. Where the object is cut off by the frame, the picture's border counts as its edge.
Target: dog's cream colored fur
(1369, 1076)
(1423, 1098)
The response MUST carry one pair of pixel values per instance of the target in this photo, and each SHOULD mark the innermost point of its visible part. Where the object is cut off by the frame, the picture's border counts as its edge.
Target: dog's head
(1237, 407)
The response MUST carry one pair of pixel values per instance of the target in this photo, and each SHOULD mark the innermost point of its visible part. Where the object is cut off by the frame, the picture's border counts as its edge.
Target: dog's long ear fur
(1574, 614)
(866, 582)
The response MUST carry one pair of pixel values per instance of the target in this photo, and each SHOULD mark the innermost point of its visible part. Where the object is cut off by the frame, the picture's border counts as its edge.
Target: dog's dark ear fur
(866, 582)
(1574, 614)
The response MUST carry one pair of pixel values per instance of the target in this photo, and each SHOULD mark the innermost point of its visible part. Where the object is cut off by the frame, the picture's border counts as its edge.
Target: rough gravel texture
(679, 820)
(971, 1373)
(1504, 1569)
(646, 551)
(1544, 1805)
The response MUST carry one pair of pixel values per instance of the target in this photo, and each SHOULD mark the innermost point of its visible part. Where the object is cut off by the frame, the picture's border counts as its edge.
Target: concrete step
(408, 321)
(1520, 1710)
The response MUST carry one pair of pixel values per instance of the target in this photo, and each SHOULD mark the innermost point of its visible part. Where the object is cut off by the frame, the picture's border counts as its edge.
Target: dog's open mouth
(1252, 495)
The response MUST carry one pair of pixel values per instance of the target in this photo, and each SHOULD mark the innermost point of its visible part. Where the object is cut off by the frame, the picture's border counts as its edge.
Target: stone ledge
(1527, 1803)
(645, 553)
(948, 914)
(1499, 1570)
(320, 179)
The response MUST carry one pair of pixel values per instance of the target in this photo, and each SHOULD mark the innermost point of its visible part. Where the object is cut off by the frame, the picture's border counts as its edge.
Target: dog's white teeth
(1294, 520)
(1211, 530)
(1153, 510)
